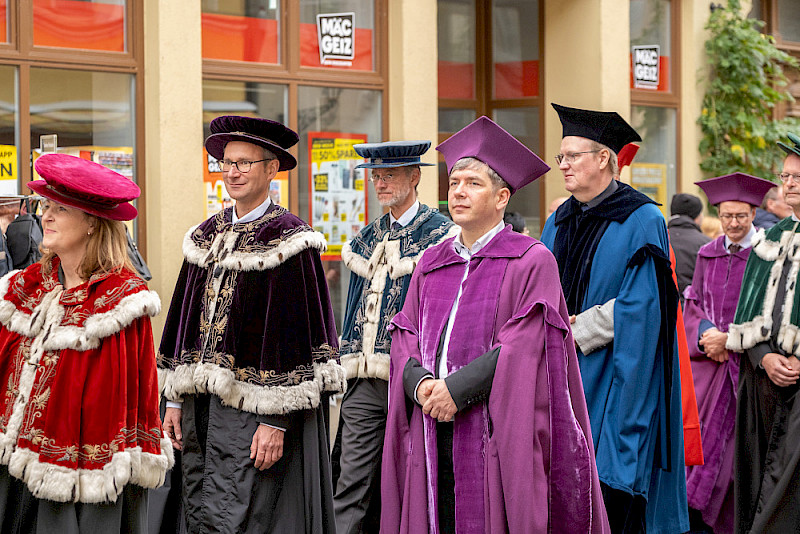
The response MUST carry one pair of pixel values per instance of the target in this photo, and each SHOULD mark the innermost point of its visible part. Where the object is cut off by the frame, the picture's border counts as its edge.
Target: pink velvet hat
(485, 140)
(272, 135)
(738, 186)
(85, 185)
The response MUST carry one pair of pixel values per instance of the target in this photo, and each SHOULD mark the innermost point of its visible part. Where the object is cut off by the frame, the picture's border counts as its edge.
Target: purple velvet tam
(604, 127)
(392, 154)
(85, 185)
(738, 186)
(484, 140)
(271, 135)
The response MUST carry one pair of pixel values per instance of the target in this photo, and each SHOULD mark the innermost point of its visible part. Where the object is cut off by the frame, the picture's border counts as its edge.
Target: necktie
(396, 226)
(734, 248)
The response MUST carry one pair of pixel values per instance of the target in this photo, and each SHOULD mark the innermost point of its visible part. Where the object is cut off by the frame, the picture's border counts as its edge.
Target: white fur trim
(210, 378)
(373, 365)
(387, 252)
(62, 484)
(746, 335)
(222, 251)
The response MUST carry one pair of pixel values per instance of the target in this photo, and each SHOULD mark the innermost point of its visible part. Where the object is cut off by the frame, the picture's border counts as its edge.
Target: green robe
(768, 419)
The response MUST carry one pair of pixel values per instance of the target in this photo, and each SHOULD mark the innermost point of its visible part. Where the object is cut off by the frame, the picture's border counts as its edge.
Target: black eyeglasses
(243, 166)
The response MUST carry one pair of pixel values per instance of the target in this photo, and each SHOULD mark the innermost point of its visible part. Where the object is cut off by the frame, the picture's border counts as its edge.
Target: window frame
(290, 73)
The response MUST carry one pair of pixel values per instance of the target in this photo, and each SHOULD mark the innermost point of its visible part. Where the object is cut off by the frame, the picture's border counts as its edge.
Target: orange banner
(240, 38)
(76, 24)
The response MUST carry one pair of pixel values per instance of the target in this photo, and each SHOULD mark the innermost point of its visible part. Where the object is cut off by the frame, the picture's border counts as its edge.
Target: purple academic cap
(484, 140)
(738, 186)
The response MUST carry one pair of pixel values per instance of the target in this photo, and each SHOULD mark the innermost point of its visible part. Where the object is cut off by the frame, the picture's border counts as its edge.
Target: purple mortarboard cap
(604, 127)
(272, 135)
(484, 140)
(738, 186)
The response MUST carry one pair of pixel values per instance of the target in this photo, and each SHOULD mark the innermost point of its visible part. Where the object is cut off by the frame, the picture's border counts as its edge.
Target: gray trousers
(363, 424)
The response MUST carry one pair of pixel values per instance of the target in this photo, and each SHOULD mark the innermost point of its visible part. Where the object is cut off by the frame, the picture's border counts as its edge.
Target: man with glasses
(709, 309)
(381, 257)
(611, 242)
(248, 357)
(767, 329)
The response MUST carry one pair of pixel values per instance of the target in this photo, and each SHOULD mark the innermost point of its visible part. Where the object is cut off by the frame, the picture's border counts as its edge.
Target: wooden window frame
(769, 13)
(484, 102)
(672, 98)
(291, 74)
(20, 52)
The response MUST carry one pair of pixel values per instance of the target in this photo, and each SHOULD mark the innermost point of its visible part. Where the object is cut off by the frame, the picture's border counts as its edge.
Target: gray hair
(269, 154)
(613, 164)
(475, 164)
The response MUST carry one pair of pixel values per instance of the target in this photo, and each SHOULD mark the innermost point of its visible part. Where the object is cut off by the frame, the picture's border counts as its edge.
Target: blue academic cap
(392, 154)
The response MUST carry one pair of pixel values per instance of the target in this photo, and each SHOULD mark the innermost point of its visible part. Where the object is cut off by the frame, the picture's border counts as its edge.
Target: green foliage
(746, 81)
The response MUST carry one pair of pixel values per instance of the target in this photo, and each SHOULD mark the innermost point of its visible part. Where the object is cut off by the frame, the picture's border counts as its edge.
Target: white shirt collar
(794, 218)
(406, 217)
(746, 240)
(253, 215)
(479, 243)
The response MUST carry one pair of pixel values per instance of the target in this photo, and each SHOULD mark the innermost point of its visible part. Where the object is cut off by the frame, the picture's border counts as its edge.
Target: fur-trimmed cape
(79, 413)
(382, 261)
(250, 319)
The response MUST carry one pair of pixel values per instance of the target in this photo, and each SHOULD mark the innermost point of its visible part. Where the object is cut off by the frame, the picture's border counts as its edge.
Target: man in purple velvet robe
(710, 307)
(488, 429)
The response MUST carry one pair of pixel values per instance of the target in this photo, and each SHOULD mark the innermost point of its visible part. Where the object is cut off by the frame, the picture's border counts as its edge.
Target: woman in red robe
(80, 435)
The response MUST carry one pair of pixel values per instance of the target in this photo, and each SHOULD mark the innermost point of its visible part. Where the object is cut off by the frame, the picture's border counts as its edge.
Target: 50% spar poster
(338, 206)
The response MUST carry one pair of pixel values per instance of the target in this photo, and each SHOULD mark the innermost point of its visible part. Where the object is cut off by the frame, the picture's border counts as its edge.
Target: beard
(399, 195)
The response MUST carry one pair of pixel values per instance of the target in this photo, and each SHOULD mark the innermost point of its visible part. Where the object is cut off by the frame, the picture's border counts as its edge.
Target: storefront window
(650, 30)
(515, 47)
(653, 172)
(81, 24)
(9, 160)
(338, 34)
(249, 99)
(241, 31)
(92, 113)
(523, 123)
(789, 20)
(453, 119)
(335, 198)
(456, 35)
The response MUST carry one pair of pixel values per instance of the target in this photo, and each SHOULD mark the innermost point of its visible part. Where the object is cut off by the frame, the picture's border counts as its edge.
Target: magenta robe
(712, 297)
(523, 459)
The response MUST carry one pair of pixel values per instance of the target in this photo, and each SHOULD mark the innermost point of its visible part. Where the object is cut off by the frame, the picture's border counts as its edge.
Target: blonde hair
(711, 226)
(106, 252)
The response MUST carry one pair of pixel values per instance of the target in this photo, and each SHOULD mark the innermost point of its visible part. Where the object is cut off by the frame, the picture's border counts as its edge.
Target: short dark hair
(772, 194)
(516, 221)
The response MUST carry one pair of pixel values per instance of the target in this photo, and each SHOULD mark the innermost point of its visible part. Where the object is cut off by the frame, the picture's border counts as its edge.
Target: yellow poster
(338, 207)
(8, 170)
(651, 179)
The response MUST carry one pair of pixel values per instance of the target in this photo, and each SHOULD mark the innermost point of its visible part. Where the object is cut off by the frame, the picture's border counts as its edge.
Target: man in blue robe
(381, 259)
(610, 241)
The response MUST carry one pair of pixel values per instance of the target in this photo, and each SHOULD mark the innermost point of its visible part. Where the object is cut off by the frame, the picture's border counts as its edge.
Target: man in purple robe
(710, 307)
(488, 429)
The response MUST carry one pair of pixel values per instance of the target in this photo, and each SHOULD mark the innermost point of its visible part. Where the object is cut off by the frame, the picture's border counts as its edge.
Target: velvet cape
(250, 319)
(381, 261)
(79, 414)
(535, 461)
(632, 385)
(711, 302)
(767, 462)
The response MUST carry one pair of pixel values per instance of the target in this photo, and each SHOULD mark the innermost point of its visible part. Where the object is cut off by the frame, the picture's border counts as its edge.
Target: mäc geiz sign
(645, 66)
(336, 35)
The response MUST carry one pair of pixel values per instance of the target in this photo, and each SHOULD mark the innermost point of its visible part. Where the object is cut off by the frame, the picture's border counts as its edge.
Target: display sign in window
(86, 25)
(338, 207)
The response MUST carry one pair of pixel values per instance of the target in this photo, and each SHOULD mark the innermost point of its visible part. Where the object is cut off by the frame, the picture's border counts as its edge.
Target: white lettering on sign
(335, 36)
(645, 66)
